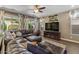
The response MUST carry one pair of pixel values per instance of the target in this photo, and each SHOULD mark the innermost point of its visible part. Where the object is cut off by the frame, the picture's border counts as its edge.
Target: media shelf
(52, 34)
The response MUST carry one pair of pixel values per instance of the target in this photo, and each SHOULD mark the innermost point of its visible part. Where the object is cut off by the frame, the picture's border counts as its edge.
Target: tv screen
(54, 26)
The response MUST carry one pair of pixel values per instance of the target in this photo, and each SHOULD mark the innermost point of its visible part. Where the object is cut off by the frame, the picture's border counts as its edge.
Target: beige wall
(64, 26)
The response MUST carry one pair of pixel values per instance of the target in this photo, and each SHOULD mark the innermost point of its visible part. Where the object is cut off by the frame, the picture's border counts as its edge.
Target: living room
(55, 26)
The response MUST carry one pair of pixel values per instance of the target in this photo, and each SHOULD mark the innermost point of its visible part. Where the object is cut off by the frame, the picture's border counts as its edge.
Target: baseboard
(70, 40)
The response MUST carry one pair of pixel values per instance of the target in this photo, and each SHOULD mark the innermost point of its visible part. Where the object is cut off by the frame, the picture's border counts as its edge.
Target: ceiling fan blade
(40, 11)
(42, 8)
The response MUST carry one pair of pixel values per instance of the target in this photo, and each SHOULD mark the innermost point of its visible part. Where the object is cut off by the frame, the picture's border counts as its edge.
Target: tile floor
(72, 48)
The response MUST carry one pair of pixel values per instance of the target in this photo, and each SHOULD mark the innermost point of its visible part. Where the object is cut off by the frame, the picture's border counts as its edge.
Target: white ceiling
(50, 9)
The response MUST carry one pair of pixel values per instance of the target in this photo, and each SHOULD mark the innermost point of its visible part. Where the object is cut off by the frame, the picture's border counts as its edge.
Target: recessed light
(72, 5)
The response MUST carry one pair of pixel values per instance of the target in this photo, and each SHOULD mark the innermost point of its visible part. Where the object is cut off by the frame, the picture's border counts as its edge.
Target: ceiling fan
(37, 8)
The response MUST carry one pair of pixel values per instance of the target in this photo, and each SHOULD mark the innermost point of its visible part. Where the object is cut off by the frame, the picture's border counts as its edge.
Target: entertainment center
(52, 30)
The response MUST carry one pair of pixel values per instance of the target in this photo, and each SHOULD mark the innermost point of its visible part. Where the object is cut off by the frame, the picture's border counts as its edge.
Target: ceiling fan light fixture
(36, 11)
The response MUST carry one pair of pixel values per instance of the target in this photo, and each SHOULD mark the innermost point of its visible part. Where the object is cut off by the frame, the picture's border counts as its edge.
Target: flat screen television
(53, 26)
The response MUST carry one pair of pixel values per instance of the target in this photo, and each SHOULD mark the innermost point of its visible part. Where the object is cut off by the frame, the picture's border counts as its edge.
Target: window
(11, 24)
(75, 21)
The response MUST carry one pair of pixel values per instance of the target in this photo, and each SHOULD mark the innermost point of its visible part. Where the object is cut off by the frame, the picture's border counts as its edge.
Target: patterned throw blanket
(17, 46)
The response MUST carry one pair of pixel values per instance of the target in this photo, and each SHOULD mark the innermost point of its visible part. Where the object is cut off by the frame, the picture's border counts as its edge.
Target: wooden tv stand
(52, 34)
